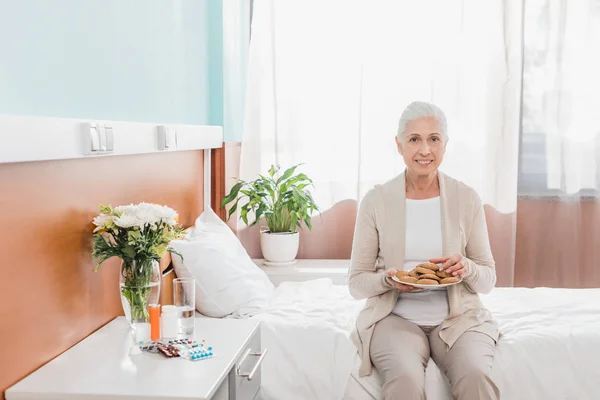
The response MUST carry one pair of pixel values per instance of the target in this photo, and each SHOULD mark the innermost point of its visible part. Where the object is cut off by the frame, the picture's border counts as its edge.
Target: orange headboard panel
(50, 296)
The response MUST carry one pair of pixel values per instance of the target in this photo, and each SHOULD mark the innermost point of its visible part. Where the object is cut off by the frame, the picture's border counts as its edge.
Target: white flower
(101, 220)
(147, 214)
(168, 215)
(127, 221)
(129, 209)
(144, 215)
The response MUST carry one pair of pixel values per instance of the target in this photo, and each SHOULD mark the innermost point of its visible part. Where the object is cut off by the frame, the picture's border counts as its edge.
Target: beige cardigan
(379, 244)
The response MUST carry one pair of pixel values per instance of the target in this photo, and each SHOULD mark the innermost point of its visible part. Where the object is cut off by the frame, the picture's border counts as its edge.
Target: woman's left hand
(455, 265)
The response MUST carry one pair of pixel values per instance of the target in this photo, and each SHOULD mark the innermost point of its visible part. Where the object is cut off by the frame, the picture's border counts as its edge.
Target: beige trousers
(400, 351)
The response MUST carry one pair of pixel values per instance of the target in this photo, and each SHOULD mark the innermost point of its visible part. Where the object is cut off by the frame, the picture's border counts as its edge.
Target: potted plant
(284, 202)
(139, 235)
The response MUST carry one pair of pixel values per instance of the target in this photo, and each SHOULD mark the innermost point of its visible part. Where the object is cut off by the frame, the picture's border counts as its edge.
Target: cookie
(429, 265)
(401, 273)
(430, 276)
(413, 273)
(449, 280)
(427, 282)
(422, 270)
(443, 274)
(407, 279)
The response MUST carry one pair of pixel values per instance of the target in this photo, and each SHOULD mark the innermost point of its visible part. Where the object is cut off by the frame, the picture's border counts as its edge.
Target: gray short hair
(420, 109)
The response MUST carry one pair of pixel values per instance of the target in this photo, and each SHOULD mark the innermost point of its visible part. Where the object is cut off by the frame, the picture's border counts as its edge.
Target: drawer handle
(250, 374)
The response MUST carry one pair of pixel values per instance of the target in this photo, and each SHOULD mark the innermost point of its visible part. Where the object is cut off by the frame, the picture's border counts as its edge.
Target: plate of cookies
(426, 276)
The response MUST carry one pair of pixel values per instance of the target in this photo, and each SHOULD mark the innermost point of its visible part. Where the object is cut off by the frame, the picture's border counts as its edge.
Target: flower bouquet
(139, 235)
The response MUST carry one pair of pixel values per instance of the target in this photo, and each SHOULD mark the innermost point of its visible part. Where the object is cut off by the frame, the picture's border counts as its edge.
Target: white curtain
(328, 80)
(561, 96)
(518, 80)
(558, 220)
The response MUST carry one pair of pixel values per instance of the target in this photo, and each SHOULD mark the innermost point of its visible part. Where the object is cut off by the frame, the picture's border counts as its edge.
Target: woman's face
(422, 146)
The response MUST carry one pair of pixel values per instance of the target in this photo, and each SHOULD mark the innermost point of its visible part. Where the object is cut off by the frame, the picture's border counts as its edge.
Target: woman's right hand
(398, 286)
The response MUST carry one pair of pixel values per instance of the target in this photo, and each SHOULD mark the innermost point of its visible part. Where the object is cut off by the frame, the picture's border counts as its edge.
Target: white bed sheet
(550, 348)
(305, 328)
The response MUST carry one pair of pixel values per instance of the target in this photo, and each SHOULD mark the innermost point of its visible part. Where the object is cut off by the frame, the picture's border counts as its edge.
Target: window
(560, 127)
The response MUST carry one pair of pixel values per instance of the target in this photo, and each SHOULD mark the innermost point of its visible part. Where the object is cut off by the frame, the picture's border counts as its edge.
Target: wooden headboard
(50, 296)
(166, 284)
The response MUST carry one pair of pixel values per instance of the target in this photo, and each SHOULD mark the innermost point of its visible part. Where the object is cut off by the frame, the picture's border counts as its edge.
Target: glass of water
(184, 298)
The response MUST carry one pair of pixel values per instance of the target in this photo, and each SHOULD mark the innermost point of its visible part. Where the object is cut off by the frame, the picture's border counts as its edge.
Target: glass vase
(140, 286)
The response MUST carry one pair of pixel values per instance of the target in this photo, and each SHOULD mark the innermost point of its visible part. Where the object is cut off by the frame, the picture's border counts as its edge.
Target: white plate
(279, 264)
(430, 287)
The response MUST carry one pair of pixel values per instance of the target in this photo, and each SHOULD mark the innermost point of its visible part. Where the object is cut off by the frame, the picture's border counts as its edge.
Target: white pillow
(227, 280)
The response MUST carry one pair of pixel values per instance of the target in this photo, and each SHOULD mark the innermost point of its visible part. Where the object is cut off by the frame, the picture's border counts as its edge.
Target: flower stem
(136, 288)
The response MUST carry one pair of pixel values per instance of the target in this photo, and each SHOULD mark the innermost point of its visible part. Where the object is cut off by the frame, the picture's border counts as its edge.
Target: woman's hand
(398, 286)
(455, 265)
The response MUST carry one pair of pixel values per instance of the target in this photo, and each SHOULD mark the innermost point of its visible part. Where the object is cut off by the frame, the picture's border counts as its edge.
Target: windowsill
(554, 196)
(307, 269)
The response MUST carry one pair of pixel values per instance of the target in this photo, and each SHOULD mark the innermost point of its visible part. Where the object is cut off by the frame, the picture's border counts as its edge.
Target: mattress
(306, 331)
(549, 348)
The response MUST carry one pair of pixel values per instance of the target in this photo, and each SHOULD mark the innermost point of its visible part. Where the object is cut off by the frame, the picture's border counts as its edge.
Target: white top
(423, 242)
(101, 366)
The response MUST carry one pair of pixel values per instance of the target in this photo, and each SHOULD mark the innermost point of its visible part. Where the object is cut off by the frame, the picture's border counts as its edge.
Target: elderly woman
(423, 216)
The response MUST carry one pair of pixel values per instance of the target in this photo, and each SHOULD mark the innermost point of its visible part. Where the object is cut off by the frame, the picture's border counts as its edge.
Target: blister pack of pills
(188, 349)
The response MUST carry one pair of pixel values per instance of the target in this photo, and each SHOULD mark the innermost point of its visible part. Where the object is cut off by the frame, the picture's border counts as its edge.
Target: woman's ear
(399, 145)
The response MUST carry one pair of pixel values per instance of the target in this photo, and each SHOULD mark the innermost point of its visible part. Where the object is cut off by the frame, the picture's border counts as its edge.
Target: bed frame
(214, 192)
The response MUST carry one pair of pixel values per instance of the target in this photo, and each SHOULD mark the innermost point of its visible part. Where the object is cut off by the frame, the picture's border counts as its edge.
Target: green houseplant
(284, 201)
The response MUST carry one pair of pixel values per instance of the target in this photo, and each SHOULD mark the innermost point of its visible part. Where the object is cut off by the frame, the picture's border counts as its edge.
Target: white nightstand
(308, 269)
(100, 367)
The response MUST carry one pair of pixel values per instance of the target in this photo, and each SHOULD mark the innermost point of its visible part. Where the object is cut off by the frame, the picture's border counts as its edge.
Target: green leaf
(264, 178)
(283, 202)
(133, 236)
(307, 222)
(259, 213)
(232, 209)
(244, 214)
(129, 251)
(287, 174)
(294, 220)
(293, 181)
(273, 170)
(173, 251)
(271, 192)
(232, 194)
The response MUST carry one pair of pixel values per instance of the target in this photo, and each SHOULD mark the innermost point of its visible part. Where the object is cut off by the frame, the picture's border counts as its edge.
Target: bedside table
(308, 269)
(100, 366)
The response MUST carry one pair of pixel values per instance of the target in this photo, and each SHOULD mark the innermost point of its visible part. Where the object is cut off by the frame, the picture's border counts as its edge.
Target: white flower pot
(279, 247)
